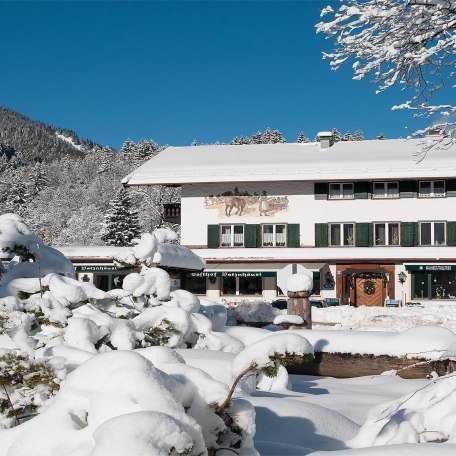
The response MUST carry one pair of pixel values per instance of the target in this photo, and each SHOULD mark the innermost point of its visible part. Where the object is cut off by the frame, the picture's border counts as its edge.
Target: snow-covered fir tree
(277, 137)
(347, 136)
(128, 148)
(381, 136)
(337, 136)
(302, 138)
(121, 223)
(194, 142)
(358, 136)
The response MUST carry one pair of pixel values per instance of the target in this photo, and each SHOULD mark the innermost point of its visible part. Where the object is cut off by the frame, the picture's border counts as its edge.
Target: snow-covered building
(372, 220)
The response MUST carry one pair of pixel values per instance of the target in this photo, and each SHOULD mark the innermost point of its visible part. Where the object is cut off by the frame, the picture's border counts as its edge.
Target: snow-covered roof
(170, 255)
(345, 160)
(428, 254)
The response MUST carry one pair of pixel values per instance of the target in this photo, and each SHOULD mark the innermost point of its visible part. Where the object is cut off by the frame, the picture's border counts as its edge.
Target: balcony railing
(172, 212)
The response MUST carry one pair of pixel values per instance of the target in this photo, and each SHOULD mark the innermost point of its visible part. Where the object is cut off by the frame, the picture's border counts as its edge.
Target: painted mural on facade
(242, 203)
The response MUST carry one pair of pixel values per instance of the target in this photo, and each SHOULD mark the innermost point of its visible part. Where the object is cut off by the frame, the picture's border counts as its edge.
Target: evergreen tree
(358, 136)
(277, 137)
(337, 136)
(302, 138)
(257, 138)
(267, 136)
(121, 224)
(194, 143)
(347, 137)
(381, 136)
(128, 148)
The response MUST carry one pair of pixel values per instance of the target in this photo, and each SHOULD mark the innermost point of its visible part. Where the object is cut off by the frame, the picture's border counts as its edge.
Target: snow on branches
(411, 43)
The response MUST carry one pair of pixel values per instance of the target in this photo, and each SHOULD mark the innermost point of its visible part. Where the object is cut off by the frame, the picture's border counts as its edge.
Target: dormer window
(341, 191)
(432, 189)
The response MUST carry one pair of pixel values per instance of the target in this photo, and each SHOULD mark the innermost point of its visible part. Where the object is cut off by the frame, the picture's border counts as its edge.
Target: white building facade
(372, 220)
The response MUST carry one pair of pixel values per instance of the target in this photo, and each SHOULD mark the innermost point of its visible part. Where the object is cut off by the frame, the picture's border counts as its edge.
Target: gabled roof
(345, 160)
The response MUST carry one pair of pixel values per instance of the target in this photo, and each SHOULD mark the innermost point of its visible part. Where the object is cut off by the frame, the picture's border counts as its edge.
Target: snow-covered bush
(25, 386)
(425, 415)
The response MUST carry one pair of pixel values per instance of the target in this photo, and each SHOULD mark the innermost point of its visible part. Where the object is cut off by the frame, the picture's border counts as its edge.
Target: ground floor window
(108, 282)
(434, 285)
(242, 286)
(197, 285)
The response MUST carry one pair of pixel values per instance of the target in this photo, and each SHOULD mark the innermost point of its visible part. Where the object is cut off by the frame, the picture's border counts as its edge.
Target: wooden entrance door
(369, 291)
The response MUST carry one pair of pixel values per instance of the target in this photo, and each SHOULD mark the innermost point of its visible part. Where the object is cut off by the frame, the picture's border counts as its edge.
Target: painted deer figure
(234, 202)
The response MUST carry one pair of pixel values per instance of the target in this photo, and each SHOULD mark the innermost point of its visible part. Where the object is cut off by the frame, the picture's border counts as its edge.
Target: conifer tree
(121, 224)
(358, 136)
(337, 136)
(194, 142)
(276, 137)
(381, 136)
(257, 138)
(347, 137)
(302, 138)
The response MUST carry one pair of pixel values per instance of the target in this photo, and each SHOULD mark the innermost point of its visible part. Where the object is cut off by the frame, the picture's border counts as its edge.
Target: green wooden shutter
(252, 236)
(293, 234)
(321, 190)
(362, 190)
(408, 189)
(321, 235)
(451, 187)
(451, 234)
(409, 234)
(213, 241)
(363, 236)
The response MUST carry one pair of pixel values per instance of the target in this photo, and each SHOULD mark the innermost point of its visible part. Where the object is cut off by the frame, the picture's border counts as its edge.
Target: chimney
(326, 139)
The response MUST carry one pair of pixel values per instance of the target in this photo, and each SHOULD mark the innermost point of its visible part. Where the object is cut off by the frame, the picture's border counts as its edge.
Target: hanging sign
(233, 274)
(100, 268)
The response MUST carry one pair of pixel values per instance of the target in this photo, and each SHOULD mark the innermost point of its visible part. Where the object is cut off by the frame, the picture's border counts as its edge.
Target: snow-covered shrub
(253, 312)
(425, 415)
(25, 386)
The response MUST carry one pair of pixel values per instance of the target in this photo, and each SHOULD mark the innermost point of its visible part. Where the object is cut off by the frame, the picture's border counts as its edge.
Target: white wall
(304, 209)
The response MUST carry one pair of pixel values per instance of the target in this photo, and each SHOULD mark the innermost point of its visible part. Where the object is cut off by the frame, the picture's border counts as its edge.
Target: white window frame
(341, 225)
(341, 191)
(432, 194)
(387, 239)
(385, 194)
(232, 225)
(433, 222)
(274, 234)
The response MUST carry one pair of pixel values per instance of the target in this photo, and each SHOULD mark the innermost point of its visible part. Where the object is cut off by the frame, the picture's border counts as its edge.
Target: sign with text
(99, 268)
(430, 267)
(233, 274)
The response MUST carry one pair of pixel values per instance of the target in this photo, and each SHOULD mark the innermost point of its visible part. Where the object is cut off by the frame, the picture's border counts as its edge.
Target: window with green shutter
(213, 239)
(364, 235)
(451, 234)
(408, 189)
(362, 190)
(451, 187)
(321, 190)
(409, 234)
(252, 236)
(321, 235)
(293, 232)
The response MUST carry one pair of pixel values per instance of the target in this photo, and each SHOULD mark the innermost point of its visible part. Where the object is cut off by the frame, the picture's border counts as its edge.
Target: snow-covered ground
(144, 370)
(385, 318)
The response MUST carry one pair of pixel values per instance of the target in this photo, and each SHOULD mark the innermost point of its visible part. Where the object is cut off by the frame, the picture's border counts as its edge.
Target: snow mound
(291, 319)
(300, 282)
(259, 353)
(426, 415)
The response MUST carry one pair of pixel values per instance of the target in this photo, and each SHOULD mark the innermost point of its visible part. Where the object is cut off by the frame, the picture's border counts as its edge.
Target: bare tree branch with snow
(405, 43)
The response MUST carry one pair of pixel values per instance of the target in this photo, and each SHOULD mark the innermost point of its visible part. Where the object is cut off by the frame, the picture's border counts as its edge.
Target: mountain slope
(26, 141)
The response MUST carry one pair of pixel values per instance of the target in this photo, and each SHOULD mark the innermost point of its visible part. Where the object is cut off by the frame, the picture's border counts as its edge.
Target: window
(385, 190)
(432, 233)
(274, 235)
(432, 189)
(197, 285)
(386, 233)
(434, 285)
(341, 191)
(232, 236)
(242, 286)
(341, 234)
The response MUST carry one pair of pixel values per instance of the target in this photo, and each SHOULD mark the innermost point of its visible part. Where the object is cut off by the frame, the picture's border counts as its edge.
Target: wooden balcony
(172, 213)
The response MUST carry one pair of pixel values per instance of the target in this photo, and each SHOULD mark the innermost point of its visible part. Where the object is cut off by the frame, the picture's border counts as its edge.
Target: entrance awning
(430, 267)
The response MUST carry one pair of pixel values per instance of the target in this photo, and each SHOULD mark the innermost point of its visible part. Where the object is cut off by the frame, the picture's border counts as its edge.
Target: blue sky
(176, 71)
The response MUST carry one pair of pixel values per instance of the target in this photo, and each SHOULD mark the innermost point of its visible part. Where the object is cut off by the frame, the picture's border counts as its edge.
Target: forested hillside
(63, 186)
